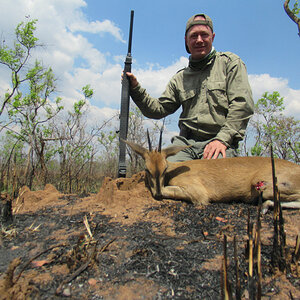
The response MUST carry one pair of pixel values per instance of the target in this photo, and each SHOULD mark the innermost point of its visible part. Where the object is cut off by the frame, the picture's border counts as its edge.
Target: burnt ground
(138, 248)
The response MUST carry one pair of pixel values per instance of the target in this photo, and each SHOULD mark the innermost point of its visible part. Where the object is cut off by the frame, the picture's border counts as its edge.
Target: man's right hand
(213, 149)
(133, 81)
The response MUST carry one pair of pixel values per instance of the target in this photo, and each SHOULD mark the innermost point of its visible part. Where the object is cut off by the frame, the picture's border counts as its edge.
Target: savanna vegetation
(44, 142)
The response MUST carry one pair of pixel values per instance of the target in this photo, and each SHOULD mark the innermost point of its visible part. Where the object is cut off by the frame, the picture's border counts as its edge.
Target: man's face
(199, 40)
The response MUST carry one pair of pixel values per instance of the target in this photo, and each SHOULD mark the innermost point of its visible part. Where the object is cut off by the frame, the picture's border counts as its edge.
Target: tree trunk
(70, 180)
(41, 157)
(27, 169)
(32, 171)
(6, 216)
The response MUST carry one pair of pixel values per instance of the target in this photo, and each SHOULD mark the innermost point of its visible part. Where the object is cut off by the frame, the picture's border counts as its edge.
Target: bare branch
(292, 16)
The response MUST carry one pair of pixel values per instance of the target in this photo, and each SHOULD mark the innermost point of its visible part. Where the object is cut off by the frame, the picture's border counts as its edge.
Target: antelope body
(219, 180)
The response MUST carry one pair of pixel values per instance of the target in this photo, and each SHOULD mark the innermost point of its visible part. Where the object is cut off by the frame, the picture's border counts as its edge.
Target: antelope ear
(172, 150)
(136, 148)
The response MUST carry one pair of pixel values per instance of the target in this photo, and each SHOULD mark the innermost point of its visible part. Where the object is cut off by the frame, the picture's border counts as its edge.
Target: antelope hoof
(266, 205)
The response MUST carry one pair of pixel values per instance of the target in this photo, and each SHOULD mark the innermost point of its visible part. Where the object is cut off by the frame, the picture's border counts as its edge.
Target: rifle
(124, 114)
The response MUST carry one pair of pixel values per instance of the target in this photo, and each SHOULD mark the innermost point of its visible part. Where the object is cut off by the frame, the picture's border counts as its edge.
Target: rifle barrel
(130, 33)
(124, 112)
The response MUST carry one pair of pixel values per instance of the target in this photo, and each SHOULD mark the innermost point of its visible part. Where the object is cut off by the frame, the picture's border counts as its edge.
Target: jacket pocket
(189, 101)
(217, 96)
(187, 95)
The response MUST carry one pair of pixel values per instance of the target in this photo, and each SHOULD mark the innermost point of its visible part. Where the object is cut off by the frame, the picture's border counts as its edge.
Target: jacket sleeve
(241, 105)
(155, 108)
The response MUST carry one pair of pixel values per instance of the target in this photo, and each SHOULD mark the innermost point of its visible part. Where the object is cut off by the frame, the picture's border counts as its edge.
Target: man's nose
(199, 38)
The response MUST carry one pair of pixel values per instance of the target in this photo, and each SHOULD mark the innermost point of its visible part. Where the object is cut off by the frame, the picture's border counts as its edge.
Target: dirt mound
(30, 201)
(125, 198)
(115, 191)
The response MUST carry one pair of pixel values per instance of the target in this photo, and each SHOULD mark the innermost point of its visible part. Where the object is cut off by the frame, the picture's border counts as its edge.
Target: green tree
(271, 127)
(77, 145)
(109, 143)
(137, 133)
(32, 112)
(11, 158)
(28, 104)
(287, 138)
(16, 58)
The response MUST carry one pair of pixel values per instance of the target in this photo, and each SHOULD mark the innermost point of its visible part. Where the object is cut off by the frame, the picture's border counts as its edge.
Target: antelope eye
(148, 172)
(164, 172)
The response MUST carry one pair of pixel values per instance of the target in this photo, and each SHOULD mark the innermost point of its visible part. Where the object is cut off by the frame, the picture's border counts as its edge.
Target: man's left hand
(213, 149)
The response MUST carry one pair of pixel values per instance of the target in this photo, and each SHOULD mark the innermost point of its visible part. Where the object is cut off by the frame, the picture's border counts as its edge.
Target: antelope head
(156, 164)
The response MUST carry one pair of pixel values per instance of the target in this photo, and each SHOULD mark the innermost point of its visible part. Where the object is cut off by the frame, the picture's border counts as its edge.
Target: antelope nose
(158, 197)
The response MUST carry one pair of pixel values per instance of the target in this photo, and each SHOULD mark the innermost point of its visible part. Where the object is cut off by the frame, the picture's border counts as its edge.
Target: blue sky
(259, 31)
(85, 42)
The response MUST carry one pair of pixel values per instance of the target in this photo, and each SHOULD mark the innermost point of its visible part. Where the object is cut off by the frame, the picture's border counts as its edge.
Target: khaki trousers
(195, 151)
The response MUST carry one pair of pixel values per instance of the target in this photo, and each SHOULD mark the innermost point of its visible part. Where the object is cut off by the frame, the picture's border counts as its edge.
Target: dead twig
(9, 274)
(251, 281)
(88, 228)
(296, 254)
(225, 283)
(35, 257)
(83, 267)
(77, 272)
(258, 248)
(237, 270)
(297, 249)
(279, 240)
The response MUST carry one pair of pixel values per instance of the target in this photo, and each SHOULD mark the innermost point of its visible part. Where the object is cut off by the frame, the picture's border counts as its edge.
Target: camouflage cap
(191, 22)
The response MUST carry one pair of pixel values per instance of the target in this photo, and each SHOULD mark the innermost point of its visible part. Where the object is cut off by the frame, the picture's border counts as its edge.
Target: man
(213, 91)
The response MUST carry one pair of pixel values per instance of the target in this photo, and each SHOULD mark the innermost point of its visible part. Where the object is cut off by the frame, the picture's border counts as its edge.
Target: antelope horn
(160, 139)
(149, 141)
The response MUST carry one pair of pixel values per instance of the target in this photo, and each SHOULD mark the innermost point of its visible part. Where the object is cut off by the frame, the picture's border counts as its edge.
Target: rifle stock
(124, 113)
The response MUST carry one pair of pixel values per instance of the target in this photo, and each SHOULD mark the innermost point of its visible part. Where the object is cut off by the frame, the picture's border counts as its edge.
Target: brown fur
(221, 180)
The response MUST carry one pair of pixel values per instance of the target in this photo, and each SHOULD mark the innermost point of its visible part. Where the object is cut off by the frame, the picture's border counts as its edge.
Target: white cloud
(97, 116)
(98, 27)
(74, 60)
(106, 85)
(261, 83)
(155, 80)
(77, 62)
(68, 52)
(4, 83)
(292, 102)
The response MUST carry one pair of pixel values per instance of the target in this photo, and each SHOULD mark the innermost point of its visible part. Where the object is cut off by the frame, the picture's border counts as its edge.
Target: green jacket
(216, 100)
